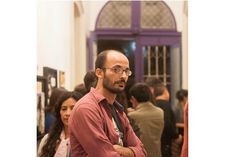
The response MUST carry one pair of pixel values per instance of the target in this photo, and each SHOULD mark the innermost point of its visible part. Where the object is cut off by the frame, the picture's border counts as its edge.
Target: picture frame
(42, 87)
(51, 76)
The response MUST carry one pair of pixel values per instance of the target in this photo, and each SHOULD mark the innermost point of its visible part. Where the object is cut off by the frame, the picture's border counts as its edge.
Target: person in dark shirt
(169, 134)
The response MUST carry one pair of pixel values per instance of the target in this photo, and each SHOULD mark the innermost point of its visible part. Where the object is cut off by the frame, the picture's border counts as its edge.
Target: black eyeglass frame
(119, 70)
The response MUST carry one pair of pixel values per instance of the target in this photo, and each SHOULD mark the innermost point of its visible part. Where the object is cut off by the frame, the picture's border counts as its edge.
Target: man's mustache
(120, 81)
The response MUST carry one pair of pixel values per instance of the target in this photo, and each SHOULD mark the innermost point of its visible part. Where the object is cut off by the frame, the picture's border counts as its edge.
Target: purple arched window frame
(141, 36)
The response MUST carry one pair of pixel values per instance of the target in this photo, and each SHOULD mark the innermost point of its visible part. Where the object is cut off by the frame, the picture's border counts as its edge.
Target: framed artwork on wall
(51, 75)
(42, 89)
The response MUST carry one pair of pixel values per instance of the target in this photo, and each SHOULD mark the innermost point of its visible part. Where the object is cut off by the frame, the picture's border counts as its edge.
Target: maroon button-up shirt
(92, 132)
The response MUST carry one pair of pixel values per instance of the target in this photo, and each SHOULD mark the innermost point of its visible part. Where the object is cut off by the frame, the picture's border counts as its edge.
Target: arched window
(145, 31)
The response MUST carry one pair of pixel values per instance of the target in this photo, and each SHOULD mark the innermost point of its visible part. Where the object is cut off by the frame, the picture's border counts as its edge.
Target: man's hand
(124, 151)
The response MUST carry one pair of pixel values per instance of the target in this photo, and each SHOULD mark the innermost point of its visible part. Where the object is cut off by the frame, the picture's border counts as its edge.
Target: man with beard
(98, 125)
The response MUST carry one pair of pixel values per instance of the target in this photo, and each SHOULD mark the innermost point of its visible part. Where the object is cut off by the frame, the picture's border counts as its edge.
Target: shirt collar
(100, 98)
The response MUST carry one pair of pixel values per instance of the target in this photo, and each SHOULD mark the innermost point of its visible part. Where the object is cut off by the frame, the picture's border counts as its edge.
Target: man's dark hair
(141, 92)
(56, 93)
(157, 84)
(90, 80)
(101, 58)
(181, 94)
(81, 89)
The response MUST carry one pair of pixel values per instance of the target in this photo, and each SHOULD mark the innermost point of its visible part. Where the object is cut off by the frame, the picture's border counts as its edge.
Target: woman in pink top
(56, 142)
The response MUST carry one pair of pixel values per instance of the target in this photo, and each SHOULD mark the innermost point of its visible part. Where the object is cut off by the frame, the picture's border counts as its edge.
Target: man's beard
(111, 87)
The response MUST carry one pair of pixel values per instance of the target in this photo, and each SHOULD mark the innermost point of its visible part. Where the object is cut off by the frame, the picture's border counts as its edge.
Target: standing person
(122, 99)
(162, 100)
(56, 143)
(90, 80)
(182, 96)
(98, 125)
(149, 118)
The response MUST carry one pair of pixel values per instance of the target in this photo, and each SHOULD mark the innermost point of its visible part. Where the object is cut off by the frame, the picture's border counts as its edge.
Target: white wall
(80, 58)
(55, 37)
(185, 47)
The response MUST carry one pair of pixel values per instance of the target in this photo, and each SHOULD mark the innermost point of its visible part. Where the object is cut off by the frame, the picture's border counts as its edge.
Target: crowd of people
(94, 120)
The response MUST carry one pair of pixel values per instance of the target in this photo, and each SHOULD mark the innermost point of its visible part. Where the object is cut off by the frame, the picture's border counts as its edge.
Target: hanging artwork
(62, 79)
(51, 76)
(41, 103)
(40, 113)
(42, 87)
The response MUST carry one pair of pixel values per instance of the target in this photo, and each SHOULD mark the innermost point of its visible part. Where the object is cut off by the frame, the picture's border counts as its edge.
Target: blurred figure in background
(122, 99)
(170, 133)
(90, 80)
(182, 96)
(81, 88)
(56, 143)
(149, 118)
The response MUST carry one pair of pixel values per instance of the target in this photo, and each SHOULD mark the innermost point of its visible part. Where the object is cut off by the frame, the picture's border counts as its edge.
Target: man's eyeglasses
(119, 70)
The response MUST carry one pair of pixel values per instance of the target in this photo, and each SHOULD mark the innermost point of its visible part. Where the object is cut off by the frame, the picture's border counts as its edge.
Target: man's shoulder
(134, 114)
(158, 109)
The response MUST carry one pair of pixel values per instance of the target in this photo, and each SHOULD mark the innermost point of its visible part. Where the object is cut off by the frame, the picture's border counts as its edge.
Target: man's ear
(99, 73)
(152, 90)
(133, 101)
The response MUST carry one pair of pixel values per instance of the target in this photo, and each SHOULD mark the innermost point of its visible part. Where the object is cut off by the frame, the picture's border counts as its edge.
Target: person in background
(98, 125)
(90, 80)
(182, 96)
(81, 89)
(49, 111)
(149, 118)
(122, 99)
(170, 133)
(56, 143)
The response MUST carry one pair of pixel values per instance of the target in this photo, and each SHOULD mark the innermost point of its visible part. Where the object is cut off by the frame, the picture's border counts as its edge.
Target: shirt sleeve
(42, 143)
(87, 128)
